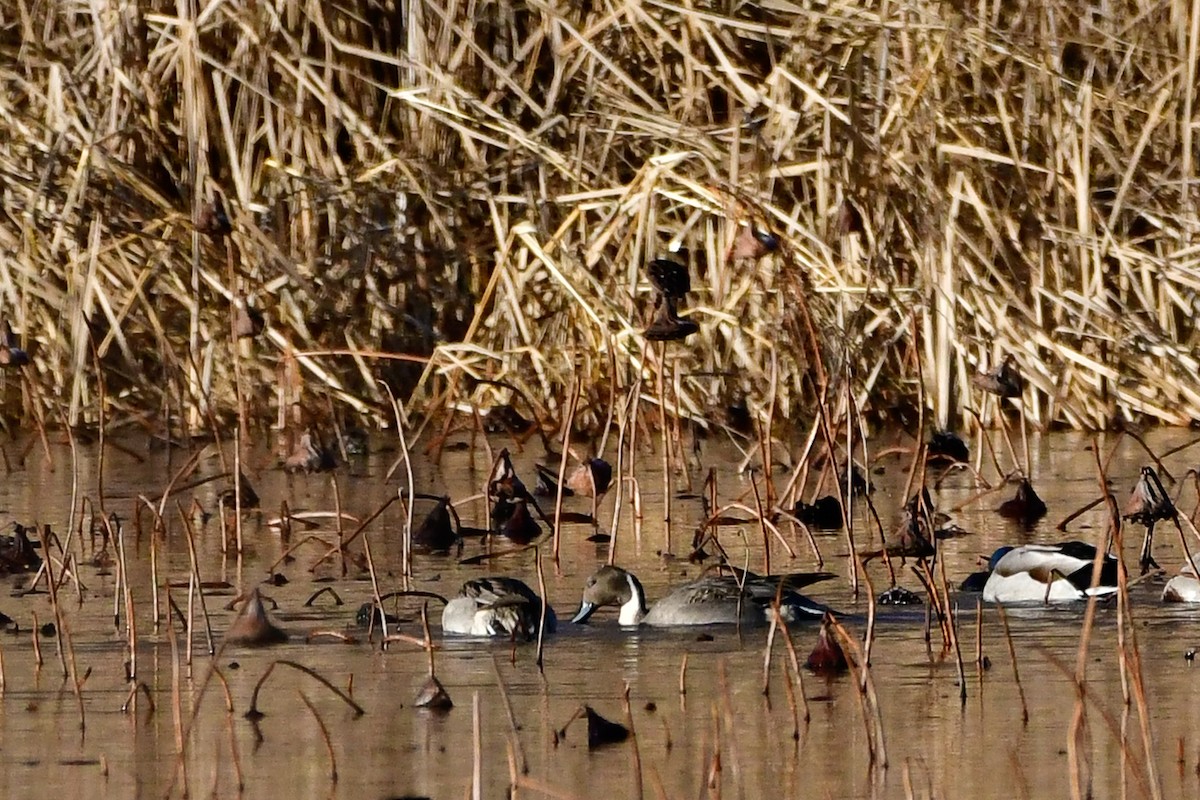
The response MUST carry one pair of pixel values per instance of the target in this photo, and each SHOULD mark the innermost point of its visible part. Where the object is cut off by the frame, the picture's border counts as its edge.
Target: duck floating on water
(1047, 573)
(497, 606)
(711, 600)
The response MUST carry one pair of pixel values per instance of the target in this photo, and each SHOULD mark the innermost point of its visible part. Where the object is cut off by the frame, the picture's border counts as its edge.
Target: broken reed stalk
(762, 523)
(378, 599)
(253, 712)
(562, 468)
(130, 619)
(1115, 730)
(336, 550)
(408, 474)
(793, 662)
(618, 500)
(953, 628)
(338, 520)
(181, 767)
(1079, 715)
(333, 771)
(1130, 655)
(199, 584)
(52, 589)
(847, 495)
(979, 641)
(237, 477)
(541, 634)
(766, 679)
(726, 716)
(514, 732)
(34, 632)
(768, 431)
(238, 775)
(860, 670)
(476, 750)
(666, 449)
(635, 753)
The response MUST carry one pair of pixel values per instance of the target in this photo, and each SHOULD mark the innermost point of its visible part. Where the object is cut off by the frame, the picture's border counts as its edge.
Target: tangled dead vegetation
(476, 187)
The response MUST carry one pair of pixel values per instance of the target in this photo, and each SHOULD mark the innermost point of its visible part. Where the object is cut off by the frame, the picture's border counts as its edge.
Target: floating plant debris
(433, 695)
(436, 533)
(252, 626)
(827, 656)
(947, 446)
(547, 483)
(309, 456)
(591, 478)
(1026, 507)
(1004, 381)
(824, 513)
(602, 732)
(1148, 503)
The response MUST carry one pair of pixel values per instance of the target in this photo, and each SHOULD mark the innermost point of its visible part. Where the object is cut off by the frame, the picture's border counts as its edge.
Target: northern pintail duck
(496, 607)
(1184, 587)
(711, 600)
(1047, 573)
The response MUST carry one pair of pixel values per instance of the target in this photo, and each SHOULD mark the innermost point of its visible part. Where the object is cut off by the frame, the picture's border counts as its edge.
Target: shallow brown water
(938, 746)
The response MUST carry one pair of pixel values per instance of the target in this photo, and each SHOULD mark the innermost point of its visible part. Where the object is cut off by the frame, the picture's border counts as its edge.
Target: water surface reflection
(723, 737)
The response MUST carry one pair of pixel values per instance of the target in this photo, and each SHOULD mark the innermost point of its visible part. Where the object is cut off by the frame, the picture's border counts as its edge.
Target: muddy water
(934, 744)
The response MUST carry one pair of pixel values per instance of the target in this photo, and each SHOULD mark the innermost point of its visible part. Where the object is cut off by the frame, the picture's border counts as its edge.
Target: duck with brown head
(711, 600)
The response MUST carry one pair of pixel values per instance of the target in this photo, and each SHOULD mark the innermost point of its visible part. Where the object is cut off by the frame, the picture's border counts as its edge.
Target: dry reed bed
(481, 182)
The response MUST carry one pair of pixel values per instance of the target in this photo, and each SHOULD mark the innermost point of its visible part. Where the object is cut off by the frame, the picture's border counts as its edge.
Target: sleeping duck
(1037, 573)
(496, 607)
(711, 600)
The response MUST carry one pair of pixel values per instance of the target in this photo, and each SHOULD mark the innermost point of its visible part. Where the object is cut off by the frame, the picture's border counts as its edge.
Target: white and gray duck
(710, 600)
(497, 606)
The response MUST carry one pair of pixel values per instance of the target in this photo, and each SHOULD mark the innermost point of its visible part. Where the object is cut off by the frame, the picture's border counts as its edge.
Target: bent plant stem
(1012, 654)
(254, 713)
(562, 472)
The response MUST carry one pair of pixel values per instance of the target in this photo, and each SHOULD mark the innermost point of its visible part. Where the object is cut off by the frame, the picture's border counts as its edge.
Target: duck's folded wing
(1040, 561)
(494, 592)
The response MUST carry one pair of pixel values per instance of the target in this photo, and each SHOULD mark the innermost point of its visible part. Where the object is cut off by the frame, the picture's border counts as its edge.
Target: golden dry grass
(481, 182)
